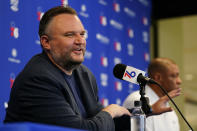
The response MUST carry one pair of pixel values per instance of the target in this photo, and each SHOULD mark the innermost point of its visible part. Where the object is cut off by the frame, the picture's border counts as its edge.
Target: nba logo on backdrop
(130, 33)
(146, 57)
(105, 101)
(103, 20)
(64, 2)
(14, 31)
(39, 15)
(12, 78)
(145, 21)
(116, 7)
(118, 86)
(104, 61)
(117, 46)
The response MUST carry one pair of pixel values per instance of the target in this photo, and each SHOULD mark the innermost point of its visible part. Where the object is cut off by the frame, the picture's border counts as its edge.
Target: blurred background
(174, 35)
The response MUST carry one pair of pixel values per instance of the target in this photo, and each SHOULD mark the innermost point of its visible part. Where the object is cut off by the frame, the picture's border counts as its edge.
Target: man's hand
(160, 106)
(116, 110)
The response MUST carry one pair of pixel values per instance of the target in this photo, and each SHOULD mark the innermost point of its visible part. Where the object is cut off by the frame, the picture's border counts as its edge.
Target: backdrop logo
(145, 21)
(104, 79)
(145, 36)
(118, 86)
(86, 34)
(14, 31)
(102, 2)
(13, 58)
(14, 5)
(104, 61)
(104, 102)
(64, 2)
(102, 38)
(88, 54)
(39, 15)
(117, 46)
(130, 49)
(116, 24)
(12, 78)
(146, 57)
(116, 7)
(5, 105)
(103, 20)
(129, 12)
(144, 2)
(118, 101)
(117, 60)
(83, 11)
(37, 41)
(131, 87)
(130, 33)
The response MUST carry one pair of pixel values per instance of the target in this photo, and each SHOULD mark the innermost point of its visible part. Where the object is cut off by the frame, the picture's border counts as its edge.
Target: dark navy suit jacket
(40, 94)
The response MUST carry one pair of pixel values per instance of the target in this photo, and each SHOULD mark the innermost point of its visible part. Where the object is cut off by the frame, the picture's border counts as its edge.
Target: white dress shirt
(164, 122)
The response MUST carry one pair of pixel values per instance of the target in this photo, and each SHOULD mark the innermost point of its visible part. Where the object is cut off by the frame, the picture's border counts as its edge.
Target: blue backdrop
(118, 32)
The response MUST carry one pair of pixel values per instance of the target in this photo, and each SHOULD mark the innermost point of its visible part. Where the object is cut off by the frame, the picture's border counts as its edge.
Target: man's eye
(174, 75)
(83, 34)
(69, 34)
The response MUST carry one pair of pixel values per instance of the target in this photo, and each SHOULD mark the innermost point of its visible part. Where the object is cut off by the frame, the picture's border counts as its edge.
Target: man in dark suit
(55, 88)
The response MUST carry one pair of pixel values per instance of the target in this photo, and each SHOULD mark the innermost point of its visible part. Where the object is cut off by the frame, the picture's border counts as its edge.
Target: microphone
(131, 74)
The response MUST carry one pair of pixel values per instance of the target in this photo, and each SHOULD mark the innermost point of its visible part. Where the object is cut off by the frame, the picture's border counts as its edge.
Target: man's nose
(79, 39)
(179, 81)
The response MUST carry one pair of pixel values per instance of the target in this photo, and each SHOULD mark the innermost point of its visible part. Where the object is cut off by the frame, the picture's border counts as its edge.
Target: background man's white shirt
(164, 122)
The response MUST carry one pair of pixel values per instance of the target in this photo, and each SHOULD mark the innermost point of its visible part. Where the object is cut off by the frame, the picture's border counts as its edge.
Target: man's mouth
(78, 51)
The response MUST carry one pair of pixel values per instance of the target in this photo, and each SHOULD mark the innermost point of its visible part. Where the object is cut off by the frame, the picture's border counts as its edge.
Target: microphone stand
(138, 122)
(144, 100)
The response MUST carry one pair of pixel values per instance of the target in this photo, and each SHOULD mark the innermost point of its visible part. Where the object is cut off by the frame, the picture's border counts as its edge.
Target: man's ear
(44, 40)
(157, 77)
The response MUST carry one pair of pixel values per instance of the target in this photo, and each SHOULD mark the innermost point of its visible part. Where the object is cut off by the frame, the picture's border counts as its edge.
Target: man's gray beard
(66, 64)
(70, 65)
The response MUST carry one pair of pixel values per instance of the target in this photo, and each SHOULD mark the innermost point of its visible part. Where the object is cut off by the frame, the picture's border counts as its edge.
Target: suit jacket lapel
(89, 98)
(68, 93)
(70, 97)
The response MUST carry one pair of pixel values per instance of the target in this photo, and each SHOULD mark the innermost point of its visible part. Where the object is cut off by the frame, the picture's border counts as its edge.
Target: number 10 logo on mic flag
(131, 74)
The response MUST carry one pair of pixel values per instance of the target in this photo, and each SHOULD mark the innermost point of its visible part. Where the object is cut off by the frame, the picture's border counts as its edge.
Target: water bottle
(138, 118)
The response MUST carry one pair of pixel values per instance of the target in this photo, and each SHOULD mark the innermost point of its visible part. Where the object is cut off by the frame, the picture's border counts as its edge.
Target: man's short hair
(48, 16)
(159, 65)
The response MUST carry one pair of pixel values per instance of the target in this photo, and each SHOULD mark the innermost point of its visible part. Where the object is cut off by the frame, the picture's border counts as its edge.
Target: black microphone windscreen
(140, 78)
(119, 70)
